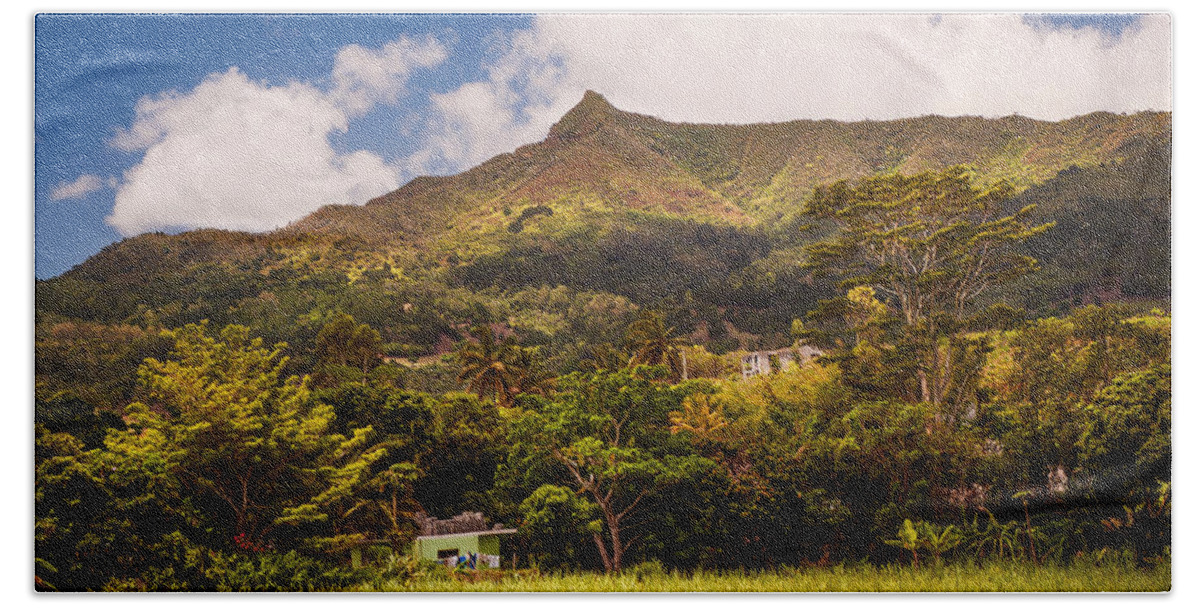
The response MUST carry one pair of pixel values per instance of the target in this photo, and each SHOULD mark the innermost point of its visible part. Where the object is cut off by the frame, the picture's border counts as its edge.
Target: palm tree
(529, 376)
(489, 367)
(604, 356)
(702, 415)
(651, 342)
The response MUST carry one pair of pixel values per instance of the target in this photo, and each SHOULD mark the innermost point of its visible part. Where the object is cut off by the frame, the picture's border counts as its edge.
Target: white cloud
(527, 90)
(759, 68)
(363, 77)
(238, 154)
(84, 185)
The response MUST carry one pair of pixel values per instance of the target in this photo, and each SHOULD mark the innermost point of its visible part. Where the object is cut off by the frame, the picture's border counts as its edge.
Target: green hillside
(701, 221)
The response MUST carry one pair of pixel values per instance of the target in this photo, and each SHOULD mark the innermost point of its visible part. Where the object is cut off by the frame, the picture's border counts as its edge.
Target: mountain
(1112, 233)
(615, 209)
(599, 158)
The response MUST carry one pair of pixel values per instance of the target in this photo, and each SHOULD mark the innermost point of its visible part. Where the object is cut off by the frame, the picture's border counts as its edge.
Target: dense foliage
(588, 390)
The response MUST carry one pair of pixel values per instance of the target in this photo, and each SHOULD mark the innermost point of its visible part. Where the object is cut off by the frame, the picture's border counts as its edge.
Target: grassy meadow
(991, 577)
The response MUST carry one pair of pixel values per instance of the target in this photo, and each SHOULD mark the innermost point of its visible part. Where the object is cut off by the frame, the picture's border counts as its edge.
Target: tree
(1049, 397)
(244, 443)
(1130, 424)
(651, 343)
(72, 511)
(370, 495)
(426, 454)
(501, 369)
(554, 519)
(604, 356)
(702, 416)
(487, 365)
(931, 244)
(604, 432)
(343, 342)
(530, 377)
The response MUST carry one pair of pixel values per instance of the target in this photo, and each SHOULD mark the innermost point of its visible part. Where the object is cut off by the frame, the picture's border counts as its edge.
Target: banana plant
(996, 539)
(926, 537)
(937, 542)
(907, 538)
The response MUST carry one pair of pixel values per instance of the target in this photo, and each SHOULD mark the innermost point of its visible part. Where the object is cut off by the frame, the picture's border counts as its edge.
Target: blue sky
(90, 70)
(249, 122)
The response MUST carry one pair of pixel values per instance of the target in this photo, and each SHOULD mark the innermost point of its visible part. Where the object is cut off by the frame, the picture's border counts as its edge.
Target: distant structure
(467, 522)
(463, 539)
(767, 361)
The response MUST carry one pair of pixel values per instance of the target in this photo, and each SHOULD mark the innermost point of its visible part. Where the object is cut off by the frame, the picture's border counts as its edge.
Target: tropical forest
(909, 355)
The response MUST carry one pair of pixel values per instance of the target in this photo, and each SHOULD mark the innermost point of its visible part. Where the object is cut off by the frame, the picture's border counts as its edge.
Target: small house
(461, 539)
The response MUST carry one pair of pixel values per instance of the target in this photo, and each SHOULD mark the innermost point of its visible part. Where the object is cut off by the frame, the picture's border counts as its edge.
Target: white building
(763, 361)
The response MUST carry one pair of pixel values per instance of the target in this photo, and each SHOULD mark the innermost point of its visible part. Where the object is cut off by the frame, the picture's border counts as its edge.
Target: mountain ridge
(742, 174)
(623, 203)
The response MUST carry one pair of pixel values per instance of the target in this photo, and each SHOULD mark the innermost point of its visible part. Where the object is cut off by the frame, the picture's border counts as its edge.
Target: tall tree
(489, 367)
(653, 343)
(221, 421)
(604, 356)
(604, 435)
(346, 343)
(930, 244)
(529, 375)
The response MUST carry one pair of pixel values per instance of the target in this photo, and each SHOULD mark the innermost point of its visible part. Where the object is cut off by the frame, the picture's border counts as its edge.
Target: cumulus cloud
(528, 88)
(84, 185)
(239, 154)
(364, 77)
(761, 68)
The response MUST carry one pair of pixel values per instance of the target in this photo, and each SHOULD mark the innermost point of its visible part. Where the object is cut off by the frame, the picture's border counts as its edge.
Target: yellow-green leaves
(222, 423)
(924, 537)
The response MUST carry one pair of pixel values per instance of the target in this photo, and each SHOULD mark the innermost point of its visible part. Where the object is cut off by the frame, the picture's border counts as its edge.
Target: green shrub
(648, 570)
(275, 572)
(924, 537)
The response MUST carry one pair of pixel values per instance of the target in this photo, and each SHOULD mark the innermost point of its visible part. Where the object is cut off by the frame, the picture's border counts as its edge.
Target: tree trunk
(610, 555)
(615, 531)
(924, 385)
(603, 552)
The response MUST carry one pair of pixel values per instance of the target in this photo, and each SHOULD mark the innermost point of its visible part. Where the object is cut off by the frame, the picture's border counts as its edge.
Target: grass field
(950, 578)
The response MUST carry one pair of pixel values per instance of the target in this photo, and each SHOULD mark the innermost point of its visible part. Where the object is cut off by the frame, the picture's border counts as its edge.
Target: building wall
(489, 545)
(427, 548)
(759, 362)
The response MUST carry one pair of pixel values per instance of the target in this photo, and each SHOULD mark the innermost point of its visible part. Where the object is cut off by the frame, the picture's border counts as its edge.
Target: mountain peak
(587, 116)
(592, 99)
